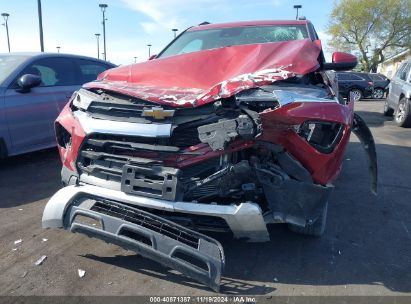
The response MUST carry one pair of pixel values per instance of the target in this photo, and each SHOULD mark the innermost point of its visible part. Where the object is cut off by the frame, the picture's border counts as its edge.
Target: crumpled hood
(198, 78)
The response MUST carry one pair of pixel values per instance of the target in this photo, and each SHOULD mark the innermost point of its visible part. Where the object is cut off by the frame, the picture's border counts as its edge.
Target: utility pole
(297, 7)
(98, 45)
(149, 50)
(175, 32)
(103, 9)
(40, 25)
(6, 18)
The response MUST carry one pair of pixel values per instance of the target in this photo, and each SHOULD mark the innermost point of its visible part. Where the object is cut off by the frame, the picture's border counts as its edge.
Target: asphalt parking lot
(366, 249)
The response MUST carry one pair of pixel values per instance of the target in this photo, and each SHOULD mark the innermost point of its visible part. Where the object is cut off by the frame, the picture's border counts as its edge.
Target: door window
(355, 77)
(53, 71)
(376, 77)
(342, 77)
(88, 70)
(400, 69)
(404, 72)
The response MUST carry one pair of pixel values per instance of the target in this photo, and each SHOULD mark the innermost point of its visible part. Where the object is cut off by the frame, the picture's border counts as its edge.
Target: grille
(193, 221)
(147, 220)
(104, 155)
(121, 109)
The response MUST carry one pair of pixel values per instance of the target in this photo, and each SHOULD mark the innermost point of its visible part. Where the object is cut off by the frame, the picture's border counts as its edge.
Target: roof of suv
(247, 23)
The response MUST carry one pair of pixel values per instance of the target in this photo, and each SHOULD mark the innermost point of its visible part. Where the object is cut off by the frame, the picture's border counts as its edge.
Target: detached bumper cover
(123, 222)
(191, 253)
(244, 220)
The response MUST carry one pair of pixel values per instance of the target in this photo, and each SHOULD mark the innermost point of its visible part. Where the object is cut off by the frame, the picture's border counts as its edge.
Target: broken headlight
(322, 135)
(257, 99)
(82, 99)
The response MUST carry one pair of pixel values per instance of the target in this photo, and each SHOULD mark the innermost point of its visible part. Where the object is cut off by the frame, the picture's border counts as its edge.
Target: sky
(132, 24)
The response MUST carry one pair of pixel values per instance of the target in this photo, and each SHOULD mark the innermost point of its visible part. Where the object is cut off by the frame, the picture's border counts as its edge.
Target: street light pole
(58, 49)
(297, 7)
(6, 18)
(135, 59)
(98, 45)
(149, 50)
(103, 9)
(40, 25)
(175, 32)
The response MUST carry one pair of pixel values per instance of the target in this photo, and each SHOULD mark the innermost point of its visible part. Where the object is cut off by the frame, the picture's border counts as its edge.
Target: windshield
(217, 38)
(8, 64)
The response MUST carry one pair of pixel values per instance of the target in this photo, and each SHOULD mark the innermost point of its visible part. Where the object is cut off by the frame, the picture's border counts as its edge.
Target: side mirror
(152, 57)
(28, 81)
(341, 62)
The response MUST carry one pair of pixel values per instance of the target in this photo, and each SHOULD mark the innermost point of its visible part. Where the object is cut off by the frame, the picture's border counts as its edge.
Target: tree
(373, 28)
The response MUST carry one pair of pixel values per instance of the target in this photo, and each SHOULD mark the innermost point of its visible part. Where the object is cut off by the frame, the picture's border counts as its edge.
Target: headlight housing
(82, 99)
(324, 136)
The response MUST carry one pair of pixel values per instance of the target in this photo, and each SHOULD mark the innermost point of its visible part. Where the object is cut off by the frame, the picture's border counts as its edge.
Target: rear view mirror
(28, 81)
(341, 62)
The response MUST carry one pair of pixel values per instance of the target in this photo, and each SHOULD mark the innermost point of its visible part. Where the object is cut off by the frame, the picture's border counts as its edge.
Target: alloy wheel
(400, 115)
(356, 94)
(378, 94)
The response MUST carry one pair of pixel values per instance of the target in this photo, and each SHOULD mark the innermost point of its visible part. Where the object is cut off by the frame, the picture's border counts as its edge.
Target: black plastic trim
(159, 239)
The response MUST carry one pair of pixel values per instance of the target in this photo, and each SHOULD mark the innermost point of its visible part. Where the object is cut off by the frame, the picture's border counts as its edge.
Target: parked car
(398, 99)
(34, 88)
(360, 85)
(230, 128)
(381, 84)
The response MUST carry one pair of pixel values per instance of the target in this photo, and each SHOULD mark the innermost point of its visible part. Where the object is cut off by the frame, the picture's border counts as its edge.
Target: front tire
(315, 229)
(388, 111)
(357, 94)
(403, 113)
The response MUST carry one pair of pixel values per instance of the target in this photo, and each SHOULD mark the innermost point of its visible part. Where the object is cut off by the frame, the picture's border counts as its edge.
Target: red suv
(231, 127)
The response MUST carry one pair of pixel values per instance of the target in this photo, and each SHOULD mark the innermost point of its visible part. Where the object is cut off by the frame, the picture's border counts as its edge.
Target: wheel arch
(406, 95)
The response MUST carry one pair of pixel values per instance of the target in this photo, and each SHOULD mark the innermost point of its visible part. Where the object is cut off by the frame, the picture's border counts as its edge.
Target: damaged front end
(154, 168)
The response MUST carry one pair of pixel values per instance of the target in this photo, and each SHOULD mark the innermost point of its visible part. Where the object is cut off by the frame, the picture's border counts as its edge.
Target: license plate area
(156, 181)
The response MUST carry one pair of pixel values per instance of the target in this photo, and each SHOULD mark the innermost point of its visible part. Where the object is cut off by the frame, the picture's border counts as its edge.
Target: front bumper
(244, 220)
(191, 253)
(123, 220)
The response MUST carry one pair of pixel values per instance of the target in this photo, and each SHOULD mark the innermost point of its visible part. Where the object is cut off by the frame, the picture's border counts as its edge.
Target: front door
(31, 115)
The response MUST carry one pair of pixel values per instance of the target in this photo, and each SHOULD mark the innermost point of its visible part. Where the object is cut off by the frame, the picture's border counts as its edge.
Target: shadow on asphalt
(29, 177)
(153, 269)
(374, 119)
(367, 241)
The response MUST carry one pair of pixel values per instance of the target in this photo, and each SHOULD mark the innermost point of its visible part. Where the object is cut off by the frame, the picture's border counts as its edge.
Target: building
(391, 64)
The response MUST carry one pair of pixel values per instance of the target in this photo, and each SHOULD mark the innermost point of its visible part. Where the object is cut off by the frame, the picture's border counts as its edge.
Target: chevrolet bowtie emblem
(157, 113)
